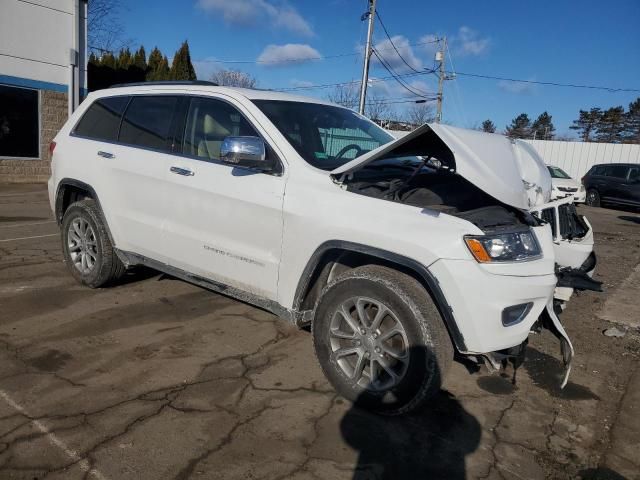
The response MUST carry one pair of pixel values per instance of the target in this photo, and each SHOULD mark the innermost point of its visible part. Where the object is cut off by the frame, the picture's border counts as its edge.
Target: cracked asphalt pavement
(158, 379)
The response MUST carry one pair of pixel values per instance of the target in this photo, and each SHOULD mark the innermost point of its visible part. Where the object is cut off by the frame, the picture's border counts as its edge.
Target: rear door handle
(182, 171)
(106, 154)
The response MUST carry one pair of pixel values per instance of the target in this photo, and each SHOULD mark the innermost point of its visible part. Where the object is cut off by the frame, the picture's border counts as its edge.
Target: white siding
(35, 40)
(576, 158)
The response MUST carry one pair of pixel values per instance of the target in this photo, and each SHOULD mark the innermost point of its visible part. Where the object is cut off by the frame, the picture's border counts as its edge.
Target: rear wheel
(593, 198)
(86, 246)
(380, 340)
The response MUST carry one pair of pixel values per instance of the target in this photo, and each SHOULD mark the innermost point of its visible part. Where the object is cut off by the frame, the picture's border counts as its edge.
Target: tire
(593, 198)
(84, 234)
(421, 352)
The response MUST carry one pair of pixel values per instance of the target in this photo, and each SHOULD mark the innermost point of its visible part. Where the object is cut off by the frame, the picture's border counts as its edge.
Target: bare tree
(105, 30)
(234, 78)
(378, 109)
(345, 95)
(420, 113)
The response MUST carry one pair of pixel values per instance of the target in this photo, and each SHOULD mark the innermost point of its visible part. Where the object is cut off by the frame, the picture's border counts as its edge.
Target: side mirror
(247, 152)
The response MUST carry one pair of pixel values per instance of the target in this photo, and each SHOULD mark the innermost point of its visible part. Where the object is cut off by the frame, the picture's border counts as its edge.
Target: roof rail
(166, 82)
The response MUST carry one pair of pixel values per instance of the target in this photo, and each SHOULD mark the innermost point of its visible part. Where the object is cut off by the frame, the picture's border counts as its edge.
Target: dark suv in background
(615, 183)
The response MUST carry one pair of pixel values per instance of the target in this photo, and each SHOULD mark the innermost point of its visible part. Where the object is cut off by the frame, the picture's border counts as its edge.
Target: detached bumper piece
(579, 278)
(551, 322)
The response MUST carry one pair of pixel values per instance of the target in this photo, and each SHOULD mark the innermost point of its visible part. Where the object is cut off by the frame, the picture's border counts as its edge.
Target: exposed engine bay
(425, 182)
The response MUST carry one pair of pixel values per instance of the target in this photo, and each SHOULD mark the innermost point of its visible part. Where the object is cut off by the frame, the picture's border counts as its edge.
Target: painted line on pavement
(54, 439)
(29, 238)
(27, 224)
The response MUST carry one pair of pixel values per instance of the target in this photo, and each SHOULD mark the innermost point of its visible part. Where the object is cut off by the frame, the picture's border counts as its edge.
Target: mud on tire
(380, 340)
(87, 249)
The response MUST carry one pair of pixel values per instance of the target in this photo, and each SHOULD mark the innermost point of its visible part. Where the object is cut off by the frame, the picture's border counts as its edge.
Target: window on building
(19, 122)
(147, 121)
(101, 121)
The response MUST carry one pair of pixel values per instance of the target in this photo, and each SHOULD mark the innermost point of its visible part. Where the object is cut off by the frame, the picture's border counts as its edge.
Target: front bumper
(477, 298)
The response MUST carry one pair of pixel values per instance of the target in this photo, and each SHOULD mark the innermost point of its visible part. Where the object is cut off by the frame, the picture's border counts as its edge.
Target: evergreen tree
(632, 123)
(611, 126)
(542, 128)
(108, 60)
(125, 60)
(93, 59)
(181, 68)
(488, 126)
(520, 127)
(587, 123)
(140, 59)
(158, 66)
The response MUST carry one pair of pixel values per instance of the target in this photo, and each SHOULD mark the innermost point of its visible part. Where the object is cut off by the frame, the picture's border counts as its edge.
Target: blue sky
(579, 42)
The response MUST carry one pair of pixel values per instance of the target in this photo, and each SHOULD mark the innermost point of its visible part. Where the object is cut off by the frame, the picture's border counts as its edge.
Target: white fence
(576, 158)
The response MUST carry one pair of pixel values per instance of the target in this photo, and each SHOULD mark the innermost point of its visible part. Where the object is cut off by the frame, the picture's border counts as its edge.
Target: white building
(43, 62)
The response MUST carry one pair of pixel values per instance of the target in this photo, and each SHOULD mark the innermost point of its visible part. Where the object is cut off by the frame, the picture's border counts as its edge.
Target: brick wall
(53, 114)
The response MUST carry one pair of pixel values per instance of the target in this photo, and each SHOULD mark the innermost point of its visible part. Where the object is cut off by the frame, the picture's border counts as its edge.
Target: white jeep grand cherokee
(398, 253)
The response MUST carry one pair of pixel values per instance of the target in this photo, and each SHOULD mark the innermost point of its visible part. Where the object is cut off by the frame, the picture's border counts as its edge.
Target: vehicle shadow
(430, 443)
(629, 218)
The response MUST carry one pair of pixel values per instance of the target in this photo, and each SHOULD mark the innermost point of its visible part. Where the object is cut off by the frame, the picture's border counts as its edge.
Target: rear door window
(101, 121)
(619, 171)
(147, 122)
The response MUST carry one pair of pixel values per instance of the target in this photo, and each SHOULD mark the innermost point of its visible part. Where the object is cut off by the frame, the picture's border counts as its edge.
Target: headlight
(504, 247)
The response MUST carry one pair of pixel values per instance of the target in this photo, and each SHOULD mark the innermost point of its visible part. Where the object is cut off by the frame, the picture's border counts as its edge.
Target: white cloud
(255, 12)
(520, 88)
(291, 53)
(469, 42)
(386, 50)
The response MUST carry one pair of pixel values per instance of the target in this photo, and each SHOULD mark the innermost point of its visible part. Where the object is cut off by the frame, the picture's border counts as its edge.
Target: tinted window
(208, 123)
(102, 119)
(618, 171)
(147, 121)
(634, 173)
(598, 170)
(19, 119)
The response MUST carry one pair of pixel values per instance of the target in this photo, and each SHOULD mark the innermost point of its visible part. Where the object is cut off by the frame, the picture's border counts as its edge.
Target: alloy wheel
(369, 343)
(82, 245)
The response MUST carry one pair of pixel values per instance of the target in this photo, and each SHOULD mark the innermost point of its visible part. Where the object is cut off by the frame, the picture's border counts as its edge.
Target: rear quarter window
(101, 121)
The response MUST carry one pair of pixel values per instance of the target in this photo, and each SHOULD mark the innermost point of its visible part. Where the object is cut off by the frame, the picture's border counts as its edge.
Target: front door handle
(106, 154)
(182, 171)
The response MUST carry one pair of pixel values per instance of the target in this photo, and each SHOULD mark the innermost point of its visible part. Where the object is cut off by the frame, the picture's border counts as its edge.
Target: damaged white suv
(398, 253)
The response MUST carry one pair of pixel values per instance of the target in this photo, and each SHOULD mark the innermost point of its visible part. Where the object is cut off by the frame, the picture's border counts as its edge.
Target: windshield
(557, 172)
(325, 136)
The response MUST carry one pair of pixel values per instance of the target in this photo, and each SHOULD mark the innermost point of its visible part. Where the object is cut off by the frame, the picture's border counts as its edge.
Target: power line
(396, 77)
(553, 84)
(393, 44)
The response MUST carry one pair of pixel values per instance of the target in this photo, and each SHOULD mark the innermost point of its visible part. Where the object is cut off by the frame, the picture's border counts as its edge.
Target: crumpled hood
(510, 171)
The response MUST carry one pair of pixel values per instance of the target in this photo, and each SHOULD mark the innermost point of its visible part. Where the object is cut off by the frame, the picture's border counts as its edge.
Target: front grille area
(571, 225)
(568, 189)
(549, 216)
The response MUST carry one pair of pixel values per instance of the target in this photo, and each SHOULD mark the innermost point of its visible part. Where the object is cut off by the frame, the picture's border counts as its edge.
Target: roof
(251, 94)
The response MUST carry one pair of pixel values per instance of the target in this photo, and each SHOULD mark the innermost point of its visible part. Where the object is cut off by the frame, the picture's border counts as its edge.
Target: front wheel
(380, 340)
(593, 198)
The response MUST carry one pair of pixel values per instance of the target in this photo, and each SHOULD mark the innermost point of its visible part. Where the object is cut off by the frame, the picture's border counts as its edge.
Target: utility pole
(367, 56)
(440, 56)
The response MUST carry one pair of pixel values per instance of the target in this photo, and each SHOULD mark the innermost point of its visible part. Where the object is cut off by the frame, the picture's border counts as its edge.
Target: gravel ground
(155, 378)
